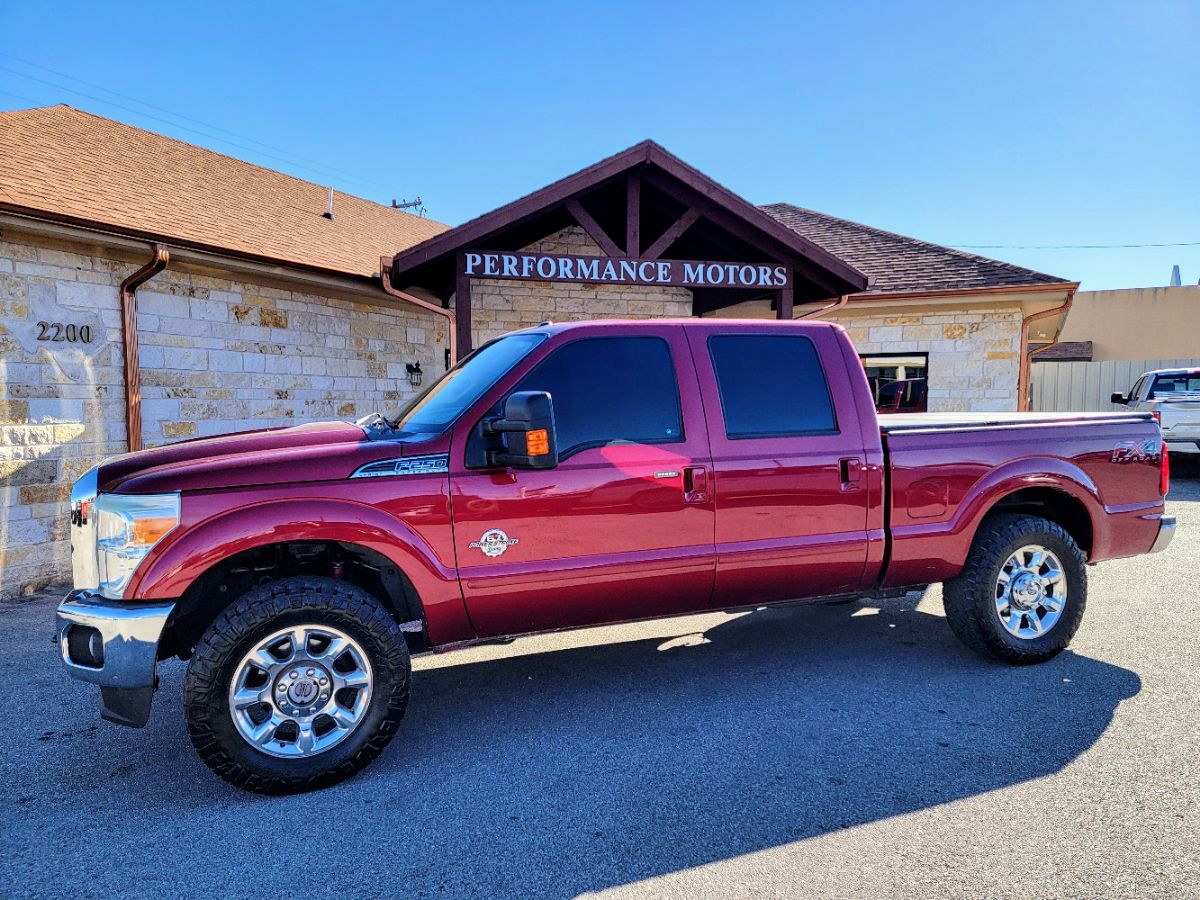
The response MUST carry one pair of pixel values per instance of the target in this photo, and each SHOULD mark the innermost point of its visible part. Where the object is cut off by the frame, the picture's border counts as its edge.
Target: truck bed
(908, 422)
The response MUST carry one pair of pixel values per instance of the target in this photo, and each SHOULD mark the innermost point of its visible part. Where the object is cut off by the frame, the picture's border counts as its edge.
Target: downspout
(829, 307)
(133, 376)
(385, 278)
(1026, 361)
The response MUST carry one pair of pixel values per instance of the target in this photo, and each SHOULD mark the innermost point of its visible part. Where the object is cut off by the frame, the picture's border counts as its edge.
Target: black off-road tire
(970, 599)
(252, 618)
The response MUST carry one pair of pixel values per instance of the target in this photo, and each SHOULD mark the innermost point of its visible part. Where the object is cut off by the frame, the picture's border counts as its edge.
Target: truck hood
(317, 451)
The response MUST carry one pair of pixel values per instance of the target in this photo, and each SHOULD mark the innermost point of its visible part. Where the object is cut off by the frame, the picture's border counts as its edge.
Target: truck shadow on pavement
(558, 773)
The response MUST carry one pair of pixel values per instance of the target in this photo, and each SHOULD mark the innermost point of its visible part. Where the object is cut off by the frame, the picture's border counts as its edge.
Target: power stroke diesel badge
(494, 542)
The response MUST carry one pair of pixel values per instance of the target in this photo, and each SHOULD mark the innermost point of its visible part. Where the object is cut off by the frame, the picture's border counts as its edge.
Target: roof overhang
(187, 256)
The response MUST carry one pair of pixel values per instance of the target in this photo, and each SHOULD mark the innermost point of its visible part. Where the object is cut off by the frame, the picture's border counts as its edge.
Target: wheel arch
(292, 537)
(230, 578)
(1053, 504)
(1052, 488)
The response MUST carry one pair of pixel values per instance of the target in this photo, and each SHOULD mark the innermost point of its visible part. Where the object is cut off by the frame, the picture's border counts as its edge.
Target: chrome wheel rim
(1031, 592)
(301, 691)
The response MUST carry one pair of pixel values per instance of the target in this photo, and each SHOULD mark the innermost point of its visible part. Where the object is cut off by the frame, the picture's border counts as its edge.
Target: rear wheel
(297, 686)
(1021, 595)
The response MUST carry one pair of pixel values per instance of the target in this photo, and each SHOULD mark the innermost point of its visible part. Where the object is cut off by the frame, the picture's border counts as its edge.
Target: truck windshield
(436, 407)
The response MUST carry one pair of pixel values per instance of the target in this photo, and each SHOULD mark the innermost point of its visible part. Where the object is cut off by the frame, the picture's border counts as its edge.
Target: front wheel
(1021, 594)
(297, 685)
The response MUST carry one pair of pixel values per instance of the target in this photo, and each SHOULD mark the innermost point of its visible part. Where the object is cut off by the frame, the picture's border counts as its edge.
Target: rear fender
(176, 564)
(935, 551)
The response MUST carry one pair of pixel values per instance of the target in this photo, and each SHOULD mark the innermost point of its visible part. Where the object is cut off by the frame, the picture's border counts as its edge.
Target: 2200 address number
(60, 332)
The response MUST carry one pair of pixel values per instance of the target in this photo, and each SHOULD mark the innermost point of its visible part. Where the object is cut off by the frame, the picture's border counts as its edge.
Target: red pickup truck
(563, 476)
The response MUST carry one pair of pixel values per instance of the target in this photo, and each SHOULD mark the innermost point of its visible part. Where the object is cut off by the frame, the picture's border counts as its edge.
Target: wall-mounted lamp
(414, 373)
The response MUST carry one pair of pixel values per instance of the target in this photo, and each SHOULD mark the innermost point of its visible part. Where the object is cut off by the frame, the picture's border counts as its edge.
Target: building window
(899, 381)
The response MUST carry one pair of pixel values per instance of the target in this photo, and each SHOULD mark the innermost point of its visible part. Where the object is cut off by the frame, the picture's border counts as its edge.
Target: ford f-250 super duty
(571, 475)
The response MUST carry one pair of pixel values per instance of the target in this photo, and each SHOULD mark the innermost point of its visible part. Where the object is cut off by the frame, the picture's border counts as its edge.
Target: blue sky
(1015, 124)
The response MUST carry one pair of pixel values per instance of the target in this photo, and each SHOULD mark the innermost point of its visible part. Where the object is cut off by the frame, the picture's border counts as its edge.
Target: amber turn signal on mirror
(537, 442)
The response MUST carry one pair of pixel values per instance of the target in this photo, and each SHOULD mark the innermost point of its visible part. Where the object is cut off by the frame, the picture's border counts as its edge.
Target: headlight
(127, 526)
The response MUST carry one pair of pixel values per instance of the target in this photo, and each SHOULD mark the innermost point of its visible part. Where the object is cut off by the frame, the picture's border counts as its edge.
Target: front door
(623, 528)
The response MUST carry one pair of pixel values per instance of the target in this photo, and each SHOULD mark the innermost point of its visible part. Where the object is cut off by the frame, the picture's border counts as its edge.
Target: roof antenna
(1176, 281)
(418, 205)
(328, 214)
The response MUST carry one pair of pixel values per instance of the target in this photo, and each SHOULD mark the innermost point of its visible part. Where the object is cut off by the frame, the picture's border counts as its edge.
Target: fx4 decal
(1136, 451)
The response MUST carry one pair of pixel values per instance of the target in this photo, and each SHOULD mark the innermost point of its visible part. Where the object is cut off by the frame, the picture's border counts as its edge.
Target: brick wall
(219, 353)
(974, 354)
(498, 306)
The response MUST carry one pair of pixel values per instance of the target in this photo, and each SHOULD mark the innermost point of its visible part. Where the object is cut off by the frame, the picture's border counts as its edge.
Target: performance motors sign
(608, 270)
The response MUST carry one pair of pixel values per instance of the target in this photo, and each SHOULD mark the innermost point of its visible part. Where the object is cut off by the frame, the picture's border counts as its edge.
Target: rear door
(623, 528)
(789, 462)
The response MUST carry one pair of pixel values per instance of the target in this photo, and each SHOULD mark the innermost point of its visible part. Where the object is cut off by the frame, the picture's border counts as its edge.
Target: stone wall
(219, 352)
(498, 306)
(974, 352)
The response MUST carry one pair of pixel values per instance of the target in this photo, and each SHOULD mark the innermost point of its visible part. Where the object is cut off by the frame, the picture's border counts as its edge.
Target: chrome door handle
(850, 470)
(695, 484)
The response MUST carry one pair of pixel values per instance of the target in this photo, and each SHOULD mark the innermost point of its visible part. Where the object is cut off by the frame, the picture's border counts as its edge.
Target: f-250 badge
(494, 542)
(1134, 451)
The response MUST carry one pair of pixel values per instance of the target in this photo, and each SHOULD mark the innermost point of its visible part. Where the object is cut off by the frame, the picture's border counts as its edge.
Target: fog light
(85, 647)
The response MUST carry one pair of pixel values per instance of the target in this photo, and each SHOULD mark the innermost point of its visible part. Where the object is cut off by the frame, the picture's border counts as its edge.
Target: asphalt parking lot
(842, 751)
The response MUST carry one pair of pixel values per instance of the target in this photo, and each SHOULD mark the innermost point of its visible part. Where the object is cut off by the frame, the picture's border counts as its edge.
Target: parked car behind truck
(563, 476)
(1173, 397)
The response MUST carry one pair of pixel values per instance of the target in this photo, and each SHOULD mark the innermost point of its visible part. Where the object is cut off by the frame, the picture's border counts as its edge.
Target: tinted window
(770, 385)
(610, 389)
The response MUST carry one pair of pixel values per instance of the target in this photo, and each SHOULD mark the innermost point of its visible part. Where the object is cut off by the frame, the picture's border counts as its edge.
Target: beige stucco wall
(498, 306)
(1140, 323)
(219, 353)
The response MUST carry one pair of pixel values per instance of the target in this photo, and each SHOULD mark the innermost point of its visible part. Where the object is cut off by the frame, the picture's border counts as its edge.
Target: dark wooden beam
(783, 309)
(462, 310)
(738, 227)
(672, 234)
(592, 227)
(633, 215)
(725, 199)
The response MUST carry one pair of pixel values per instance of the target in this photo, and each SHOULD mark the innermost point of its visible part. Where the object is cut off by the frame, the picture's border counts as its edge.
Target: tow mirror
(1118, 397)
(525, 433)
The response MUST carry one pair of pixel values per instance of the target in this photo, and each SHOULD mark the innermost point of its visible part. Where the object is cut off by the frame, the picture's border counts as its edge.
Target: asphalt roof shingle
(898, 263)
(64, 161)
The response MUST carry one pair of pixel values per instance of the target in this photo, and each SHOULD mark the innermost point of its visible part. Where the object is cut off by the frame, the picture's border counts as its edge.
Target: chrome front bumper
(114, 644)
(1166, 531)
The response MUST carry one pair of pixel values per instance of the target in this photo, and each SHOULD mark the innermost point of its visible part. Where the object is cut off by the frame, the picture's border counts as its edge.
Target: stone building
(258, 300)
(267, 313)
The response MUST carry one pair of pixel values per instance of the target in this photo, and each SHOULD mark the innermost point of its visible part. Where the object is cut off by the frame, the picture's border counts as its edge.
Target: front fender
(172, 567)
(929, 552)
